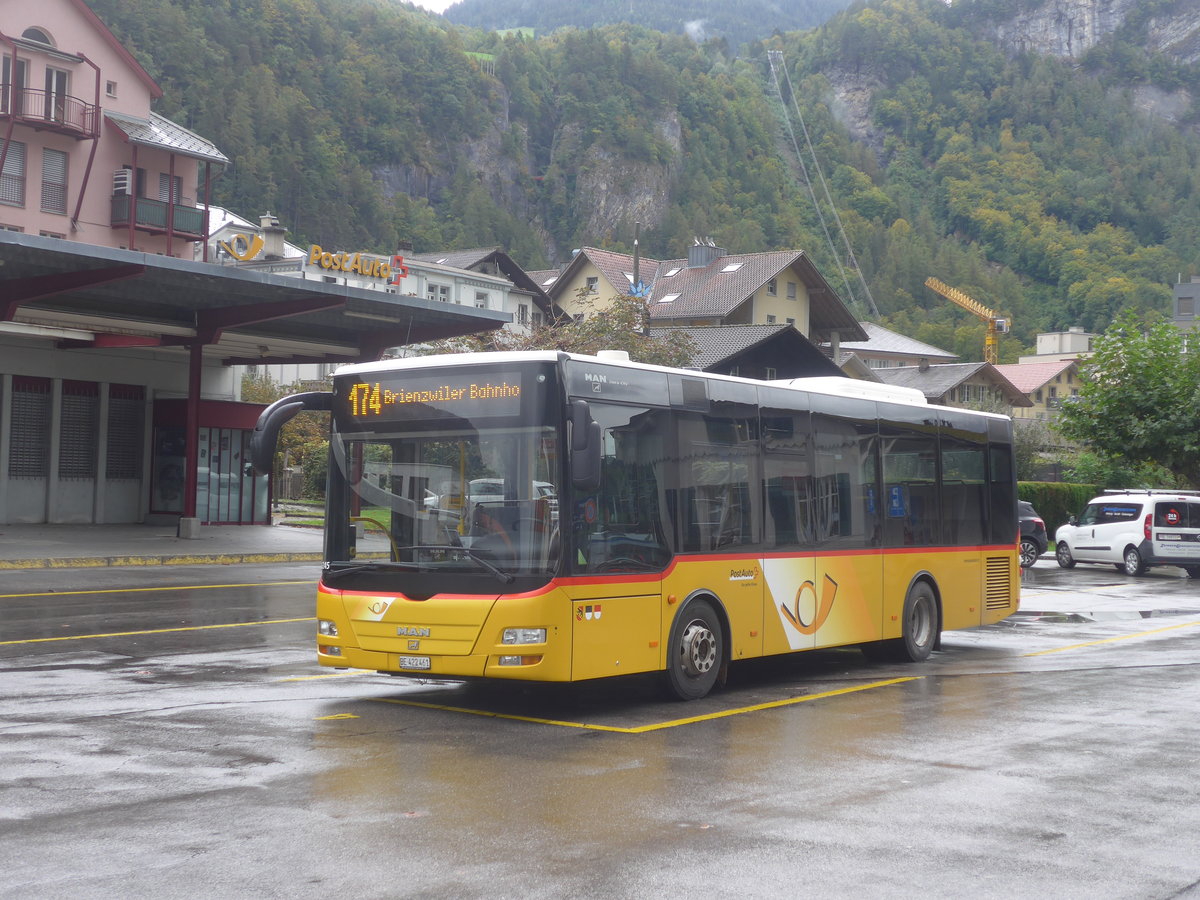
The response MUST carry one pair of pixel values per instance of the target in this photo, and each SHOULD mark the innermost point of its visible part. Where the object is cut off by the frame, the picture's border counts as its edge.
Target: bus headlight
(524, 636)
(327, 628)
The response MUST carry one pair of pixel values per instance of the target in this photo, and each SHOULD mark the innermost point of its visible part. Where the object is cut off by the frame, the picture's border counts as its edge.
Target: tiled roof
(1029, 377)
(717, 343)
(727, 282)
(544, 278)
(880, 340)
(457, 259)
(159, 131)
(618, 267)
(937, 381)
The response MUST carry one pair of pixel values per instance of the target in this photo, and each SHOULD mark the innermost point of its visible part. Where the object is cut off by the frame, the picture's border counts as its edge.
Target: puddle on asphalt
(1102, 616)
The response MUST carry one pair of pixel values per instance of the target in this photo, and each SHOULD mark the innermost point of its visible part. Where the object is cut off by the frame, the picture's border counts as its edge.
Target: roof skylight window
(733, 267)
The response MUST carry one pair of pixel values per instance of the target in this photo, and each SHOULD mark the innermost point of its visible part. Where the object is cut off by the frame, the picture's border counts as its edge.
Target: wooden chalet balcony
(46, 111)
(188, 221)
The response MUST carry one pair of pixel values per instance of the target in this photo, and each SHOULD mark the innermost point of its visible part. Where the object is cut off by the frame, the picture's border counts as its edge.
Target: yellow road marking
(1121, 637)
(336, 716)
(657, 726)
(84, 637)
(183, 587)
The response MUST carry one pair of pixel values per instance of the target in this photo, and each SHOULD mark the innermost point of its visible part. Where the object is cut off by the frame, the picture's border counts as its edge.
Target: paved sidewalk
(92, 546)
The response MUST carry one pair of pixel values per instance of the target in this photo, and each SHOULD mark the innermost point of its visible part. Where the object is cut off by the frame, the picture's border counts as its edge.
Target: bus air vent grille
(998, 586)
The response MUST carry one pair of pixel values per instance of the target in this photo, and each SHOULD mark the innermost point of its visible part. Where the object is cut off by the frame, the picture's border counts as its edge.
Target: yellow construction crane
(995, 324)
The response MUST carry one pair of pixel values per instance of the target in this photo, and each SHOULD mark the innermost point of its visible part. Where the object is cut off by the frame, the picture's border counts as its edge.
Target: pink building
(83, 156)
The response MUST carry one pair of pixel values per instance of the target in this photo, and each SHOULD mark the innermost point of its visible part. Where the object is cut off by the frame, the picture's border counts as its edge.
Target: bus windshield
(458, 466)
(454, 499)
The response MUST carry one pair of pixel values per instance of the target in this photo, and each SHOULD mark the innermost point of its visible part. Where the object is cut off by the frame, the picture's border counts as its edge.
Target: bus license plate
(414, 662)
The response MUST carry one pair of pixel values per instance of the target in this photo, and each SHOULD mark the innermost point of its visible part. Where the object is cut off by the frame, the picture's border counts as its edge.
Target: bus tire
(919, 630)
(919, 627)
(696, 651)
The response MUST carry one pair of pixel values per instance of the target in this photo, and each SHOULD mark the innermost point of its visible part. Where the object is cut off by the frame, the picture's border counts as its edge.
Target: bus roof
(830, 385)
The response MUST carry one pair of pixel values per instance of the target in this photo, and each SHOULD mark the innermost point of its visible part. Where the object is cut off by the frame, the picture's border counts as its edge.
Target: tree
(1141, 397)
(621, 325)
(303, 441)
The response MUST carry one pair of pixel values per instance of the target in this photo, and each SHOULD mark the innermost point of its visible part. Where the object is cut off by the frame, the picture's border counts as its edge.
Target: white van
(1134, 530)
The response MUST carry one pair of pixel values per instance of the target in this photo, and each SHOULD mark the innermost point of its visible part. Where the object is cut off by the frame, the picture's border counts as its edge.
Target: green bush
(1056, 501)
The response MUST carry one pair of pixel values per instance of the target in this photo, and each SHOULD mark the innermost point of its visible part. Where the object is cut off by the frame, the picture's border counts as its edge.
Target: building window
(593, 284)
(54, 181)
(791, 290)
(770, 373)
(772, 287)
(37, 34)
(12, 179)
(7, 82)
(53, 234)
(522, 314)
(126, 427)
(56, 94)
(17, 228)
(537, 319)
(481, 300)
(80, 425)
(770, 320)
(110, 88)
(1187, 307)
(170, 188)
(791, 321)
(438, 292)
(29, 434)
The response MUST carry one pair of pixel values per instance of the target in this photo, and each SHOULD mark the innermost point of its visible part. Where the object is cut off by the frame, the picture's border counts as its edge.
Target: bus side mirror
(585, 447)
(274, 417)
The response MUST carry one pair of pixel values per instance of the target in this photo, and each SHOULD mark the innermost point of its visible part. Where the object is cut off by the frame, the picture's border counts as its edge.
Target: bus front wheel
(696, 652)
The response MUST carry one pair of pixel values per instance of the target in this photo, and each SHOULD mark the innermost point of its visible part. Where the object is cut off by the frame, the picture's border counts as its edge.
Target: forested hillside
(734, 21)
(1038, 185)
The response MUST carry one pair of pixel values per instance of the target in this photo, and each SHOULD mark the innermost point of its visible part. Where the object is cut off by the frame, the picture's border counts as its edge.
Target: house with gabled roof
(528, 302)
(965, 385)
(711, 287)
(765, 352)
(1046, 384)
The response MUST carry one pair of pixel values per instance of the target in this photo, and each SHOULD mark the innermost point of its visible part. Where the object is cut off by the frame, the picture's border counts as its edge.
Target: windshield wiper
(333, 574)
(506, 577)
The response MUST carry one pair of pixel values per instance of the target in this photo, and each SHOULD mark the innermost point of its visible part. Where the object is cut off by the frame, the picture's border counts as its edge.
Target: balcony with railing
(50, 111)
(187, 222)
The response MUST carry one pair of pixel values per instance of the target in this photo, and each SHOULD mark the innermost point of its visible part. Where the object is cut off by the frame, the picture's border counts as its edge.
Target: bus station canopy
(87, 296)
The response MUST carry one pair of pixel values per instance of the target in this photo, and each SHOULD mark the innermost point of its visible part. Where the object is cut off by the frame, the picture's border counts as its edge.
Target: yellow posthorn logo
(807, 614)
(242, 247)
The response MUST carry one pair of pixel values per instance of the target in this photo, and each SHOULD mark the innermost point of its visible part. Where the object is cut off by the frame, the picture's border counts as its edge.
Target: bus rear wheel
(918, 629)
(696, 651)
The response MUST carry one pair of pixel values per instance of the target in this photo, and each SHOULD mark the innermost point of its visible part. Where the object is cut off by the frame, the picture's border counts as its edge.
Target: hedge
(1056, 501)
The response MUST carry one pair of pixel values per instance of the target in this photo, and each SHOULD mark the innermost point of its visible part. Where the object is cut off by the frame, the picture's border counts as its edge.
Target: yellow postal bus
(555, 517)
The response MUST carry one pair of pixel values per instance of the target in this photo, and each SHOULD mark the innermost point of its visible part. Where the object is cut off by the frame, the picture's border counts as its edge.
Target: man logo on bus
(808, 613)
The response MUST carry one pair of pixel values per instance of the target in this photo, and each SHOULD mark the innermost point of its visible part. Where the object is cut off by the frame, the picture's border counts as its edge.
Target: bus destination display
(416, 398)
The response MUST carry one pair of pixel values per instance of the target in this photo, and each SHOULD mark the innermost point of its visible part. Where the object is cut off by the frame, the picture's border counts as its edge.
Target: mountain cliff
(1002, 145)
